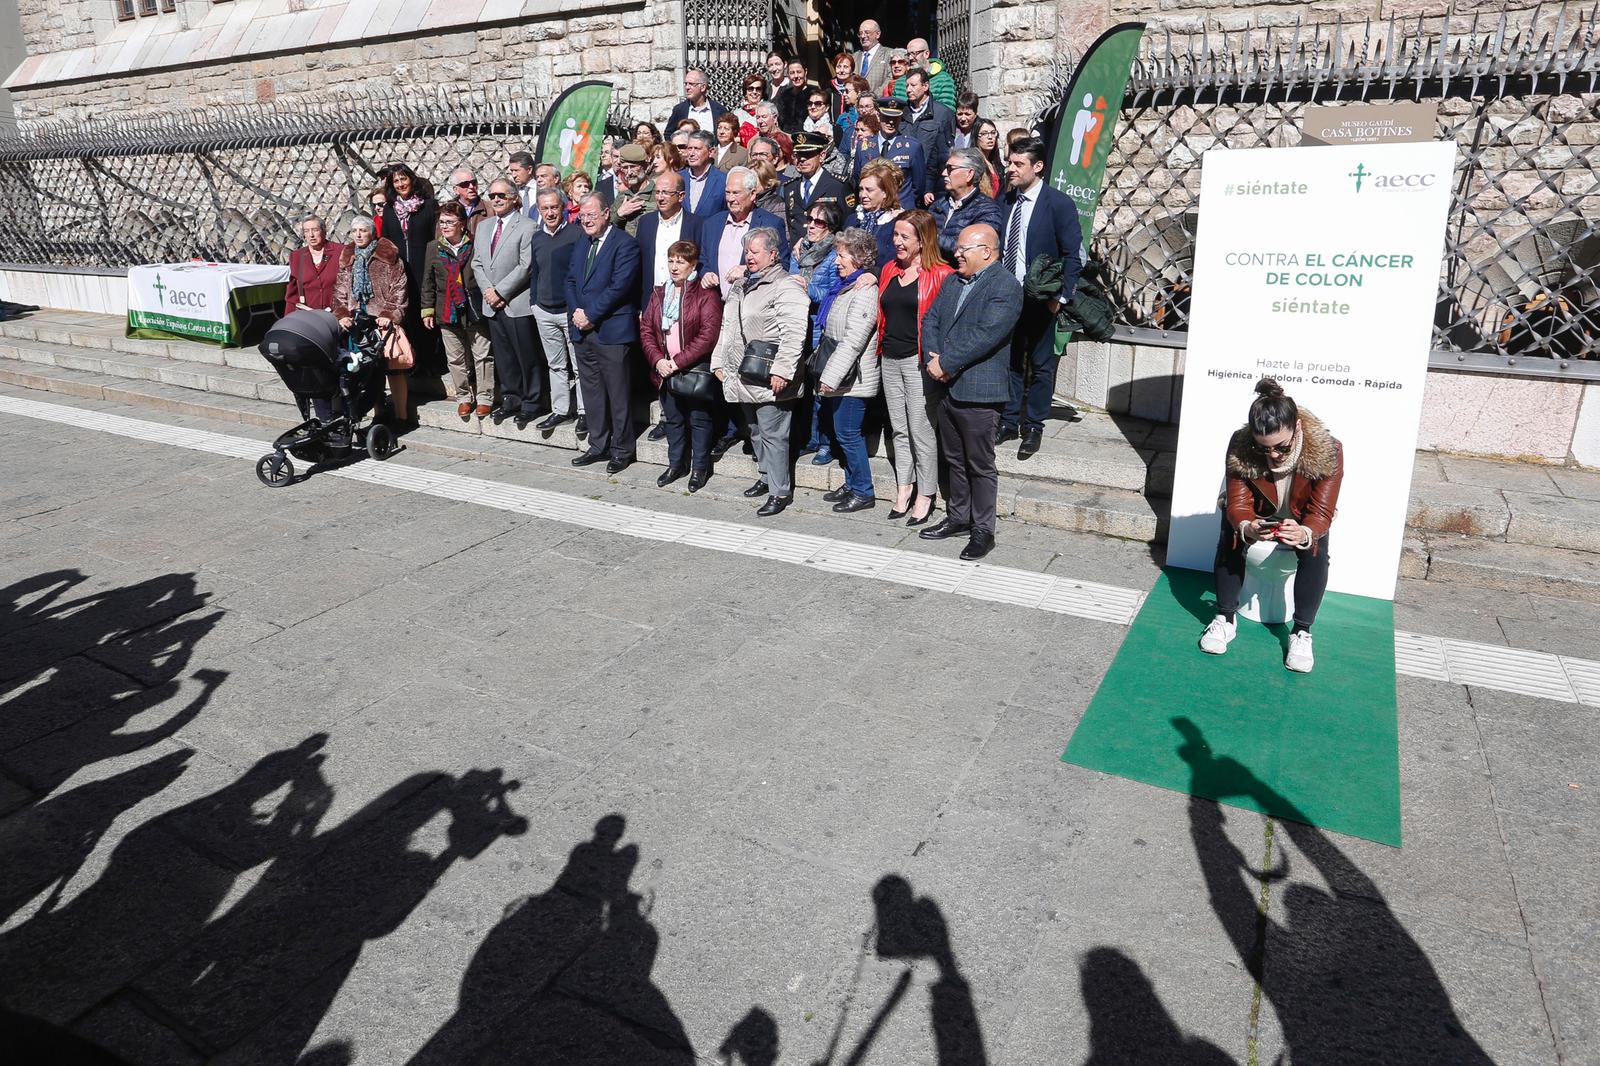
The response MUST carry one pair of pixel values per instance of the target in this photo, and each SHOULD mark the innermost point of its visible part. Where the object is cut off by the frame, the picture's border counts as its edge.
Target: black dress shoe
(945, 530)
(522, 420)
(589, 458)
(619, 464)
(774, 505)
(1005, 433)
(835, 495)
(698, 479)
(1031, 440)
(852, 503)
(582, 428)
(499, 416)
(760, 488)
(553, 421)
(657, 432)
(672, 474)
(980, 545)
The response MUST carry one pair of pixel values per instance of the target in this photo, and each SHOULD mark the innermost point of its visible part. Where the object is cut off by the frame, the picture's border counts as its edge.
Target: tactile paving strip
(1532, 673)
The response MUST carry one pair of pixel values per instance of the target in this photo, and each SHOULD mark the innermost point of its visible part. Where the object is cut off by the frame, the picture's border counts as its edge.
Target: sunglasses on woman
(1275, 449)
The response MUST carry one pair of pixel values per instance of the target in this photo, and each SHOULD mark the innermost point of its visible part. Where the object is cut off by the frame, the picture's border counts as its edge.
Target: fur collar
(386, 252)
(1319, 454)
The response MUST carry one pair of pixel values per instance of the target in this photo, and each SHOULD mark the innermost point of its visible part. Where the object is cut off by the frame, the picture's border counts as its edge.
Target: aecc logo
(1391, 181)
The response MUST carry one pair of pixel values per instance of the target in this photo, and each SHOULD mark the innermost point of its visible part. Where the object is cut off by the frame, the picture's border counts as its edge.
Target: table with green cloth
(214, 302)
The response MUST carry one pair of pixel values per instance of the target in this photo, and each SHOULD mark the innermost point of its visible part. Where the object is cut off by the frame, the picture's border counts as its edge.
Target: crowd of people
(792, 268)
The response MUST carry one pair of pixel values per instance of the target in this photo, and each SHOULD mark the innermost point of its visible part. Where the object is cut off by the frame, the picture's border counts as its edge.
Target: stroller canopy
(303, 338)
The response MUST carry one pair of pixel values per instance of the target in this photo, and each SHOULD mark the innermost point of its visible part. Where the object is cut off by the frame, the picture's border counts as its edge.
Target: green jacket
(941, 85)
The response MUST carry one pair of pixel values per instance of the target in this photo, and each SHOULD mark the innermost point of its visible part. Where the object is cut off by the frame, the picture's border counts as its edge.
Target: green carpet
(1320, 748)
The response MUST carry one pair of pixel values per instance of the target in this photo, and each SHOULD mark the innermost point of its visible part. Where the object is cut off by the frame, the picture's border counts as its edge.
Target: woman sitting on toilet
(1284, 471)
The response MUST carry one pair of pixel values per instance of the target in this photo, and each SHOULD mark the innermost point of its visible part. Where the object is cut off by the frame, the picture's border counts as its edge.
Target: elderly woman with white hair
(757, 359)
(372, 280)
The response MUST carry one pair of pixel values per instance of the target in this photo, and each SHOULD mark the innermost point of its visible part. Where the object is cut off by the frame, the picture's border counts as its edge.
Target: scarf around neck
(404, 209)
(826, 303)
(672, 301)
(361, 275)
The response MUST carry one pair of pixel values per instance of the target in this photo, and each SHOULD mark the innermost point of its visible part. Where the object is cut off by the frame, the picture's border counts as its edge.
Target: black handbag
(696, 383)
(756, 366)
(820, 356)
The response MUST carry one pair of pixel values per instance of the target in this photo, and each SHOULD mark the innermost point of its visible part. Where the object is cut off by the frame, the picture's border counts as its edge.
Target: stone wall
(48, 26)
(638, 47)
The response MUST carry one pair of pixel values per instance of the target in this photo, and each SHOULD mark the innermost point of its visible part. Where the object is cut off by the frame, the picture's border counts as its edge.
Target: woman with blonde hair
(878, 205)
(770, 195)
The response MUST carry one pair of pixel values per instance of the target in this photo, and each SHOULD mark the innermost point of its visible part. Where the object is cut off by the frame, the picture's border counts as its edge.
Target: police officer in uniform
(899, 148)
(812, 184)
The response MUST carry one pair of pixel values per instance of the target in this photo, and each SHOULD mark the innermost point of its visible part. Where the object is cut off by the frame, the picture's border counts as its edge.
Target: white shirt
(702, 115)
(1029, 200)
(667, 233)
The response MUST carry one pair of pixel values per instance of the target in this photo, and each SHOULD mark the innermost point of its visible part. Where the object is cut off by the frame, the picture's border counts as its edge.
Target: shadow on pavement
(565, 975)
(1346, 980)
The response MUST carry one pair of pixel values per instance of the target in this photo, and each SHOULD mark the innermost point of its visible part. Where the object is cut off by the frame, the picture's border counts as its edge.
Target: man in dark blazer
(932, 125)
(703, 184)
(670, 218)
(1039, 221)
(899, 148)
(722, 250)
(963, 203)
(697, 105)
(811, 184)
(602, 302)
(965, 335)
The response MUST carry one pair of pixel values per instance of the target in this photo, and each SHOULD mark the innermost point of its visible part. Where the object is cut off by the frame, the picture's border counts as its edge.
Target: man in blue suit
(722, 247)
(602, 302)
(659, 230)
(1040, 221)
(696, 104)
(703, 184)
(965, 336)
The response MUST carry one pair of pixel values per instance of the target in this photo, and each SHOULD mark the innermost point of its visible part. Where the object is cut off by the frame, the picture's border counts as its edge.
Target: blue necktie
(805, 192)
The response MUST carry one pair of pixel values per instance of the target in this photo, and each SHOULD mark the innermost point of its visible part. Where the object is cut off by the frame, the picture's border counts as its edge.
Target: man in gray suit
(967, 338)
(502, 260)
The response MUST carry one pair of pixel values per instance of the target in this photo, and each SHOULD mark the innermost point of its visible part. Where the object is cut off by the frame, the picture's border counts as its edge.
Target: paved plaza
(349, 772)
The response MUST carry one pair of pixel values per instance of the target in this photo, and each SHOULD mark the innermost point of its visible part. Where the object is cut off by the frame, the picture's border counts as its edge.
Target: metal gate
(1520, 288)
(953, 30)
(728, 39)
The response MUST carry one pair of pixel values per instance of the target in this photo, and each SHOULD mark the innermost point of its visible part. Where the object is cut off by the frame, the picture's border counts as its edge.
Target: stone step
(1095, 452)
(1543, 569)
(1080, 508)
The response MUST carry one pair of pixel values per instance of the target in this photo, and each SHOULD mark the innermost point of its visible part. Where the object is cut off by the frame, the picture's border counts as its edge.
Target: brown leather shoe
(484, 410)
(464, 410)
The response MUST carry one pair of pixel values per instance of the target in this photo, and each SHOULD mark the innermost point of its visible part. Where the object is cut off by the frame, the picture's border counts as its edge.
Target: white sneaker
(1299, 658)
(1215, 640)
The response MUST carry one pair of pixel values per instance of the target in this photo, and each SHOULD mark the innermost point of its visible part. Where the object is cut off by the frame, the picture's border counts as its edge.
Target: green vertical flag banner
(1087, 125)
(572, 129)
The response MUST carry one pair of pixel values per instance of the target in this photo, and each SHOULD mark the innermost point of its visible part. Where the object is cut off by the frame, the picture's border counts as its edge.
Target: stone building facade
(84, 63)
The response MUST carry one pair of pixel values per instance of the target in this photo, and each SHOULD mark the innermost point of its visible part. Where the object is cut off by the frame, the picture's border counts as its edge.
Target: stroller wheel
(380, 441)
(274, 470)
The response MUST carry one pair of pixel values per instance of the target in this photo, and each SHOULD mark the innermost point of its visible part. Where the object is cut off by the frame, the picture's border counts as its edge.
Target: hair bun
(1269, 387)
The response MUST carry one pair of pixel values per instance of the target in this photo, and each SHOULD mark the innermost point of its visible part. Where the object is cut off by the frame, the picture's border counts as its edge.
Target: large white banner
(1319, 267)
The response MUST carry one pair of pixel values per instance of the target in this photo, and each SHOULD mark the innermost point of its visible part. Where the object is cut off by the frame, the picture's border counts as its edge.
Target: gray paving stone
(1537, 751)
(1470, 510)
(1562, 909)
(1580, 484)
(1555, 520)
(1517, 568)
(1570, 987)
(1521, 477)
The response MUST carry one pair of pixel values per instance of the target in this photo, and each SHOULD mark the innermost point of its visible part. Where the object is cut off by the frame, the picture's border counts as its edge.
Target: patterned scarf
(826, 303)
(455, 293)
(672, 301)
(361, 277)
(403, 209)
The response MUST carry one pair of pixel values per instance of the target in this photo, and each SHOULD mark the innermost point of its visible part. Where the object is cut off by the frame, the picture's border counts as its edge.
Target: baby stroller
(337, 382)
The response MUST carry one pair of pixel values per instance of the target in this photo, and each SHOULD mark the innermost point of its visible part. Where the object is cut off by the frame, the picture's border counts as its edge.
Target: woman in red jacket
(1284, 473)
(905, 292)
(679, 329)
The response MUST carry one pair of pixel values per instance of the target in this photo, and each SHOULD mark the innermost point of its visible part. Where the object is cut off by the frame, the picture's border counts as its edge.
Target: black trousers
(966, 442)
(603, 377)
(688, 425)
(1310, 575)
(518, 364)
(1033, 367)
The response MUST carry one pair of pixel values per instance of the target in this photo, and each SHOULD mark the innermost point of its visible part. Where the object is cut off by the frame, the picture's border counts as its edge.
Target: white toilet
(1268, 593)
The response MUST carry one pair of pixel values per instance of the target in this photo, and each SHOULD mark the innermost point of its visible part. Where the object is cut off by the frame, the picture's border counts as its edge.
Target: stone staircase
(1511, 526)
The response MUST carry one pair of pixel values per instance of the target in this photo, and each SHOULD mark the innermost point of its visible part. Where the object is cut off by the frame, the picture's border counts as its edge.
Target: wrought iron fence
(232, 184)
(1518, 94)
(728, 39)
